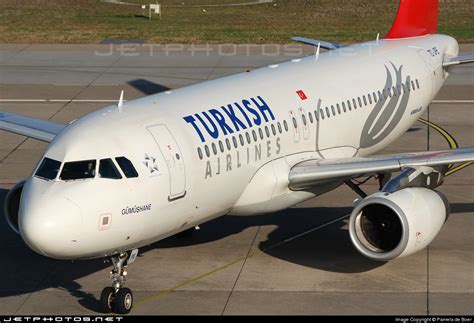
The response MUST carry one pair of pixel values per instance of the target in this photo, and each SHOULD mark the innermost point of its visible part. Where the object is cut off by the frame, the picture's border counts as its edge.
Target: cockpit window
(127, 167)
(48, 169)
(107, 169)
(78, 170)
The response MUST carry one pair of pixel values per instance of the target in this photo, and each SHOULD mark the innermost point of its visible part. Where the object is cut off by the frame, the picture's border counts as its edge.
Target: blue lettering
(263, 107)
(231, 114)
(215, 132)
(221, 121)
(192, 121)
(244, 114)
(257, 120)
(255, 111)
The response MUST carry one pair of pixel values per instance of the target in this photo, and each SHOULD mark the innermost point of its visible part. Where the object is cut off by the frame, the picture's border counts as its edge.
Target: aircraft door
(305, 121)
(294, 125)
(173, 158)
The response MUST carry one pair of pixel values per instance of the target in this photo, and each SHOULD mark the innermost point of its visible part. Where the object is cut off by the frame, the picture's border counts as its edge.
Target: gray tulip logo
(388, 111)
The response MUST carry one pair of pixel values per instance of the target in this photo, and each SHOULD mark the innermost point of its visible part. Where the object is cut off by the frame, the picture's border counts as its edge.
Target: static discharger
(317, 52)
(120, 102)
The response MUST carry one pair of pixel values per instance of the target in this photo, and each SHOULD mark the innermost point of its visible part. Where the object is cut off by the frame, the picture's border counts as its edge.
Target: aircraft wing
(312, 172)
(43, 130)
(458, 60)
(315, 42)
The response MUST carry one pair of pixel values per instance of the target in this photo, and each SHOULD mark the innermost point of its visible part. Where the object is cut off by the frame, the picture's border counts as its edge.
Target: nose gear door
(174, 160)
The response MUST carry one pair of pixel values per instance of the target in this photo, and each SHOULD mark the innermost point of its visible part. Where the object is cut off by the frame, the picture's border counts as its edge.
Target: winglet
(415, 18)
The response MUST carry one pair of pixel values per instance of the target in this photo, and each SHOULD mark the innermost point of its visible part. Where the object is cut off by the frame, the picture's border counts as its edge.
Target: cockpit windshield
(48, 169)
(107, 169)
(78, 170)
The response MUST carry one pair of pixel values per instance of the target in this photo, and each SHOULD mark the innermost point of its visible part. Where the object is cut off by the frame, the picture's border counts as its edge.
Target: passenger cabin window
(200, 153)
(48, 169)
(241, 138)
(107, 169)
(214, 148)
(221, 146)
(127, 167)
(78, 170)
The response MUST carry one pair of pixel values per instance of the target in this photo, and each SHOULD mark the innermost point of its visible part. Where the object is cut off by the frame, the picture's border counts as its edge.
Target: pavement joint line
(249, 254)
(17, 53)
(230, 264)
(85, 88)
(217, 64)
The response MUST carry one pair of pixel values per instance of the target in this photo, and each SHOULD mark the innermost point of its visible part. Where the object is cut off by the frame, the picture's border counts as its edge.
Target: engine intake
(12, 206)
(385, 226)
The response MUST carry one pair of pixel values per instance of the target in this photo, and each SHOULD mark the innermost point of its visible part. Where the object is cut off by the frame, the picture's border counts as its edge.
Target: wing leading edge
(34, 128)
(316, 42)
(313, 172)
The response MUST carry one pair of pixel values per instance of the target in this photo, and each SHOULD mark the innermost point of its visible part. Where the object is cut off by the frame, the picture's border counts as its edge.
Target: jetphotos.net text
(40, 319)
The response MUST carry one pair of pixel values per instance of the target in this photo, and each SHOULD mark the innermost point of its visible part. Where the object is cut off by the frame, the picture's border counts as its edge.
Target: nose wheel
(118, 299)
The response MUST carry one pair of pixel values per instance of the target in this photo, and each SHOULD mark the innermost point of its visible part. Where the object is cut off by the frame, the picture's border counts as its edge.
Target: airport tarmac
(297, 261)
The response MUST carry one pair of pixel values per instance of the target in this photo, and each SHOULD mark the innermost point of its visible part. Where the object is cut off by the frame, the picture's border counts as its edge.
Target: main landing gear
(118, 299)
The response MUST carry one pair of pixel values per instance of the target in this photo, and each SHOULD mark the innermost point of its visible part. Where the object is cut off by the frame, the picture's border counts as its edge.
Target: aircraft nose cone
(50, 226)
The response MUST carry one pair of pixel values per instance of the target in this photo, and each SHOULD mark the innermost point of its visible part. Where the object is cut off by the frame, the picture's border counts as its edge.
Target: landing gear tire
(107, 299)
(123, 301)
(117, 298)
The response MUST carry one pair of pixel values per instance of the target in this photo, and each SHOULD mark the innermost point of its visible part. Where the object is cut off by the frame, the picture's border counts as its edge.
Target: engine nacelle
(12, 206)
(385, 226)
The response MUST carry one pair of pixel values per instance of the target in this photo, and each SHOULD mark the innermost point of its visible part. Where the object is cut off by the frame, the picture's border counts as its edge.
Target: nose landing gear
(118, 299)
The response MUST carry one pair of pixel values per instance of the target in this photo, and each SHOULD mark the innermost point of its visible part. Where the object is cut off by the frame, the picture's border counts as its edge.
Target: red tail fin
(415, 18)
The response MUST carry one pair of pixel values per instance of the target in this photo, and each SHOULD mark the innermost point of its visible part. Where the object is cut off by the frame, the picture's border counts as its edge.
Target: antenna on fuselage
(378, 37)
(120, 102)
(317, 52)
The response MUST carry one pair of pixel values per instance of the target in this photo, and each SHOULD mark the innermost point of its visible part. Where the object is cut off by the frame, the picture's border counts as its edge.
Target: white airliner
(131, 174)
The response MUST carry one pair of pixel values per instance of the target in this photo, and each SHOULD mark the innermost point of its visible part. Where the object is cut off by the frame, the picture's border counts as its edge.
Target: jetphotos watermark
(54, 318)
(224, 50)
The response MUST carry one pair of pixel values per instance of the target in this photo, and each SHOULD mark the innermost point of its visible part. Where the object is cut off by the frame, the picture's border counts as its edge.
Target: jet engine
(385, 226)
(12, 205)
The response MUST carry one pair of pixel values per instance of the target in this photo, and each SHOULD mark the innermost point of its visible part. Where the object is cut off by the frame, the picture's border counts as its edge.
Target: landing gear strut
(117, 298)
